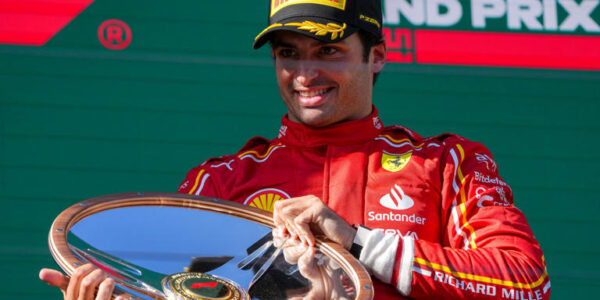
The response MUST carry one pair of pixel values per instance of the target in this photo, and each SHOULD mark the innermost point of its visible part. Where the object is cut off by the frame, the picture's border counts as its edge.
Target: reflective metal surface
(139, 246)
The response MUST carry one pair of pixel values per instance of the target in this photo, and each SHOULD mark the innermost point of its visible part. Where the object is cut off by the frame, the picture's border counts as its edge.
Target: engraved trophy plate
(200, 286)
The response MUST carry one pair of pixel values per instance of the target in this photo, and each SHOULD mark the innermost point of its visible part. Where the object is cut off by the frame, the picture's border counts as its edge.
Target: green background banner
(78, 120)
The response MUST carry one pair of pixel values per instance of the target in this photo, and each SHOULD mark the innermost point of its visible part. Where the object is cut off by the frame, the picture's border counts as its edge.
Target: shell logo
(266, 198)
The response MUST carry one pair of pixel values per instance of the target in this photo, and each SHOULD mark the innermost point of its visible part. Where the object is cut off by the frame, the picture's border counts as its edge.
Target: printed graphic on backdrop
(547, 34)
(35, 22)
(114, 34)
(558, 34)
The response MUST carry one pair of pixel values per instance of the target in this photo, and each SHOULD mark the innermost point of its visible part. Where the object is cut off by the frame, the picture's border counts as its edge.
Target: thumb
(54, 278)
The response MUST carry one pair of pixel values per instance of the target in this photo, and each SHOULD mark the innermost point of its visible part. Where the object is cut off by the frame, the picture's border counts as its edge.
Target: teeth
(312, 93)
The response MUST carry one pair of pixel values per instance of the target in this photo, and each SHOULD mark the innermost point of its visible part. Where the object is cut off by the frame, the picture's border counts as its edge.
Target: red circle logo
(114, 34)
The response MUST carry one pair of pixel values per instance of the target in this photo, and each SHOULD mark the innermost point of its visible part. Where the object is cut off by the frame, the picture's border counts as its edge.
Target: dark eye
(286, 52)
(328, 50)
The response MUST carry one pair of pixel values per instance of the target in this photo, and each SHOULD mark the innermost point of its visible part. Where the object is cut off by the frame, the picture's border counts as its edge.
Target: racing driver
(430, 218)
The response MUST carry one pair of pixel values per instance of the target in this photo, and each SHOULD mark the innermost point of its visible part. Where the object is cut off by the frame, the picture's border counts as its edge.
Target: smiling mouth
(313, 97)
(314, 93)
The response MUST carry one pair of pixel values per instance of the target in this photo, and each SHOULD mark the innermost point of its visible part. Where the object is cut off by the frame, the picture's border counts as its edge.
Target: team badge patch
(394, 162)
(266, 198)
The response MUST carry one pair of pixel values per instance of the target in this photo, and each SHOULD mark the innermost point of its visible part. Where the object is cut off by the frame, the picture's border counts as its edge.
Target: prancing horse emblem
(394, 162)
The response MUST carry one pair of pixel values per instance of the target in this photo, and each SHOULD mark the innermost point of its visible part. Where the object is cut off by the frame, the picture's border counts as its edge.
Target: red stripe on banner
(44, 6)
(399, 57)
(35, 22)
(507, 49)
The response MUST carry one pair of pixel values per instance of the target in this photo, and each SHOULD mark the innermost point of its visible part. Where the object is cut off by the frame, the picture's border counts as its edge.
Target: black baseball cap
(328, 21)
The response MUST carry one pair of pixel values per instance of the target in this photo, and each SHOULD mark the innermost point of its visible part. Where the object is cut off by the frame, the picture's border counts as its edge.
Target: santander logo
(396, 199)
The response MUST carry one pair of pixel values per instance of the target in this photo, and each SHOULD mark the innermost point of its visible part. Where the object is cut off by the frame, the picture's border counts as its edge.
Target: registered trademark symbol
(114, 34)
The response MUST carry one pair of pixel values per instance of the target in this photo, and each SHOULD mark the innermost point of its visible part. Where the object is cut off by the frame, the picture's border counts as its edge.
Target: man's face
(325, 83)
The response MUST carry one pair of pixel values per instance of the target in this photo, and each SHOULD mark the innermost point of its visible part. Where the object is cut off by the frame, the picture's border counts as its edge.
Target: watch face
(200, 286)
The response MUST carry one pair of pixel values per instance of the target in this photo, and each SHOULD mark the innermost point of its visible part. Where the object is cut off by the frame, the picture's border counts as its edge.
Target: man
(444, 225)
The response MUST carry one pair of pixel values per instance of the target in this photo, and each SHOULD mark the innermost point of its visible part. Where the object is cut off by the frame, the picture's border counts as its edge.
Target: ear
(378, 57)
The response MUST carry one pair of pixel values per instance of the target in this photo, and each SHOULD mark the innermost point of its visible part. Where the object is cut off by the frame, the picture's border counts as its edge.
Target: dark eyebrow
(275, 42)
(278, 43)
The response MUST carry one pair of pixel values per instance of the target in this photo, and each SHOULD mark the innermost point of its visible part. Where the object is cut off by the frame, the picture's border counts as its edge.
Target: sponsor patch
(394, 162)
(484, 199)
(393, 217)
(266, 198)
(399, 233)
(483, 178)
(282, 131)
(370, 20)
(396, 199)
(277, 5)
(467, 285)
(490, 164)
(377, 123)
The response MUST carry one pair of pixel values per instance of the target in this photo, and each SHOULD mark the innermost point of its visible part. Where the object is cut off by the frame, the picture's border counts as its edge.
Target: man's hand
(83, 284)
(325, 279)
(304, 217)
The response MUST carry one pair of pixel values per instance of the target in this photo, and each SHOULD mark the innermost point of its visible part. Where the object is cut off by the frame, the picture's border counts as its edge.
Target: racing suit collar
(345, 133)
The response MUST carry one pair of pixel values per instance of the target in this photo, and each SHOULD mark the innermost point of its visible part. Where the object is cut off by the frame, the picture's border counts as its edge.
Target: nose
(306, 72)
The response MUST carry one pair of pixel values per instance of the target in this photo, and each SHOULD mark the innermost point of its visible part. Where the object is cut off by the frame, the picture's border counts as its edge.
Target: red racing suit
(446, 224)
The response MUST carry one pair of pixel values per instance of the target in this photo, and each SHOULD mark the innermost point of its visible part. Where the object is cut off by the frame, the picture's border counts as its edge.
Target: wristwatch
(359, 239)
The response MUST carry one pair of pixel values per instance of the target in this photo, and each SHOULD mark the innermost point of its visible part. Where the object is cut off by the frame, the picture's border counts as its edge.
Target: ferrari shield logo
(394, 162)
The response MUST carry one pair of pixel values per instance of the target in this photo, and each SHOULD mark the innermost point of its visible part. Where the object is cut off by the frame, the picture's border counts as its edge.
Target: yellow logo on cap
(315, 28)
(370, 20)
(276, 5)
(394, 162)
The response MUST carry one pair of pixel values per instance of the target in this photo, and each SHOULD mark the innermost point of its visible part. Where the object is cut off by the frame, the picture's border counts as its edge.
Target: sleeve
(199, 182)
(488, 250)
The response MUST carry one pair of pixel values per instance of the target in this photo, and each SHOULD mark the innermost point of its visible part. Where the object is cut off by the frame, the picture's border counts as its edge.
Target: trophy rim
(57, 238)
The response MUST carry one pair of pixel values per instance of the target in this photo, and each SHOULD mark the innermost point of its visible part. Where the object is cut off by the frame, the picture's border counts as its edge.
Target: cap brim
(317, 28)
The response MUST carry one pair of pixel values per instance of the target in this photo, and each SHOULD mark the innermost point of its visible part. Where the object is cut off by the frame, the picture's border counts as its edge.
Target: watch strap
(359, 240)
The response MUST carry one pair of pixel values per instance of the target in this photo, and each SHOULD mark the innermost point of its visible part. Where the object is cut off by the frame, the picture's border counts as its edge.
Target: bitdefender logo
(396, 199)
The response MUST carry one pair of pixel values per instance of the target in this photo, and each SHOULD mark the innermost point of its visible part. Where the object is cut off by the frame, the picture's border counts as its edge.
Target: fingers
(105, 290)
(283, 213)
(302, 225)
(54, 278)
(87, 283)
(93, 280)
(292, 248)
(280, 236)
(84, 283)
(76, 278)
(293, 251)
(307, 265)
(295, 215)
